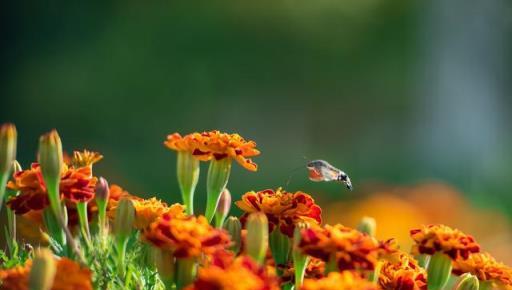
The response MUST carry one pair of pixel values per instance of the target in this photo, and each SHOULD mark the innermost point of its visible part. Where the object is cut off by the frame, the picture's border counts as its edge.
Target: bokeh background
(411, 98)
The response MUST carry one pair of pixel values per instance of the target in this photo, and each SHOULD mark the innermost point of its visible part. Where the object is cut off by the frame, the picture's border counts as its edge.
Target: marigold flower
(350, 249)
(346, 280)
(214, 144)
(485, 267)
(69, 276)
(242, 274)
(283, 209)
(186, 236)
(402, 272)
(440, 238)
(85, 158)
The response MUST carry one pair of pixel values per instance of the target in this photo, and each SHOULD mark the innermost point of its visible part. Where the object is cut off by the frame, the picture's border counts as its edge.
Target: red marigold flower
(283, 209)
(440, 238)
(242, 274)
(69, 276)
(187, 236)
(350, 249)
(214, 144)
(401, 271)
(346, 280)
(484, 267)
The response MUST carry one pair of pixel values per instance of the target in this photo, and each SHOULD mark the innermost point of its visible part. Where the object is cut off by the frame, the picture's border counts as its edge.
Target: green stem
(53, 227)
(188, 176)
(81, 208)
(280, 246)
(11, 225)
(121, 253)
(185, 272)
(3, 181)
(219, 220)
(331, 265)
(216, 181)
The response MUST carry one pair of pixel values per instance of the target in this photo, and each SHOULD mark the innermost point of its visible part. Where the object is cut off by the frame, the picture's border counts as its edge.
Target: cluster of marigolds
(278, 243)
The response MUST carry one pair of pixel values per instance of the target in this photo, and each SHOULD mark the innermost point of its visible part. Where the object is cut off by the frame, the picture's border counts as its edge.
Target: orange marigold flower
(350, 249)
(76, 185)
(85, 158)
(187, 236)
(69, 276)
(214, 144)
(402, 271)
(485, 267)
(242, 274)
(283, 209)
(149, 210)
(346, 280)
(440, 238)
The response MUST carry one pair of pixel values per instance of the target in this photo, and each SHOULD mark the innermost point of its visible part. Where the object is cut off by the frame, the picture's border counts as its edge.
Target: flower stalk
(8, 136)
(280, 246)
(186, 269)
(83, 220)
(123, 226)
(216, 181)
(300, 261)
(188, 176)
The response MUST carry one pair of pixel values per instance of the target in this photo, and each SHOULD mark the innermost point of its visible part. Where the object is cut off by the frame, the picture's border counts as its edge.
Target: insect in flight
(321, 170)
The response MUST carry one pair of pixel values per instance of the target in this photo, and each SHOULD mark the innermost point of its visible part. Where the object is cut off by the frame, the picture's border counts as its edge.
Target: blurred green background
(392, 92)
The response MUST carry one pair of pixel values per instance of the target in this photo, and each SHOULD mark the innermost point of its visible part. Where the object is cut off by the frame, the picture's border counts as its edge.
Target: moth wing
(330, 173)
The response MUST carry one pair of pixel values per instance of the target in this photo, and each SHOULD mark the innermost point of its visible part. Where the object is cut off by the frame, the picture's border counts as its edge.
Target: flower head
(283, 209)
(69, 276)
(485, 267)
(242, 274)
(350, 249)
(346, 280)
(402, 272)
(187, 236)
(214, 144)
(440, 238)
(85, 158)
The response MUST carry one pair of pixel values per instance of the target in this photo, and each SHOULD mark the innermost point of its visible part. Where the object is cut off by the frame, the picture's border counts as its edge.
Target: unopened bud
(223, 208)
(257, 236)
(467, 282)
(123, 223)
(234, 228)
(368, 225)
(8, 137)
(51, 160)
(43, 270)
(102, 189)
(439, 270)
(165, 264)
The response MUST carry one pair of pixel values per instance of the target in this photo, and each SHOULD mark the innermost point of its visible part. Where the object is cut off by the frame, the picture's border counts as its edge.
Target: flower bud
(234, 228)
(123, 223)
(439, 270)
(165, 264)
(257, 236)
(216, 181)
(102, 190)
(51, 160)
(280, 246)
(368, 225)
(43, 270)
(188, 176)
(223, 208)
(7, 147)
(467, 282)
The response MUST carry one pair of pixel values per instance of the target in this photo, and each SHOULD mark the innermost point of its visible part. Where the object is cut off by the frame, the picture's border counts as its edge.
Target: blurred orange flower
(402, 272)
(214, 144)
(346, 280)
(440, 238)
(187, 236)
(485, 267)
(69, 276)
(242, 274)
(350, 249)
(85, 158)
(283, 209)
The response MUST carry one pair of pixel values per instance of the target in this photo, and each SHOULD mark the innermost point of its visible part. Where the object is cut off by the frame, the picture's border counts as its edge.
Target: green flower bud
(123, 222)
(51, 160)
(368, 225)
(216, 181)
(165, 264)
(280, 246)
(223, 208)
(438, 271)
(7, 155)
(467, 282)
(234, 228)
(188, 176)
(102, 195)
(257, 236)
(7, 147)
(186, 270)
(43, 270)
